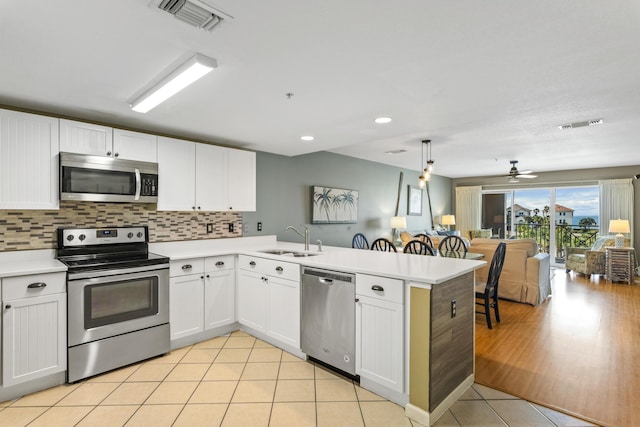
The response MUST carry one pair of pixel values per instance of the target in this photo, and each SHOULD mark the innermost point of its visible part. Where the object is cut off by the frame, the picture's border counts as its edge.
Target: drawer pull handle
(37, 285)
(187, 266)
(252, 263)
(219, 264)
(280, 269)
(377, 288)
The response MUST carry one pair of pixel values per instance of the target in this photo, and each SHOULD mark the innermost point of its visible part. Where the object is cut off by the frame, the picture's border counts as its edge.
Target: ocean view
(577, 218)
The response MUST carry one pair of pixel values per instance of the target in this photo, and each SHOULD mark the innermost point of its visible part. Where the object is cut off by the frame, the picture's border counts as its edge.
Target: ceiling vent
(195, 13)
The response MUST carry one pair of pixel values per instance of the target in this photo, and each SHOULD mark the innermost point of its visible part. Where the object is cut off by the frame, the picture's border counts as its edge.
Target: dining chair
(452, 244)
(359, 241)
(425, 238)
(487, 293)
(418, 247)
(384, 245)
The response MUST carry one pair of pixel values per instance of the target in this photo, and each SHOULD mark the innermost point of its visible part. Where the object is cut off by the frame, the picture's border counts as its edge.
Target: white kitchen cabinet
(34, 327)
(28, 161)
(97, 140)
(379, 330)
(186, 308)
(219, 291)
(241, 179)
(196, 177)
(269, 298)
(202, 295)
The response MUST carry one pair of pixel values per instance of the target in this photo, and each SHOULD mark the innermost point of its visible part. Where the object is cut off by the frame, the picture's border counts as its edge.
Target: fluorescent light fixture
(187, 73)
(383, 120)
(307, 138)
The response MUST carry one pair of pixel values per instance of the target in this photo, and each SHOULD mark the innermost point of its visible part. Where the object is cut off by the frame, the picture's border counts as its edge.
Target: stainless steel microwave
(106, 179)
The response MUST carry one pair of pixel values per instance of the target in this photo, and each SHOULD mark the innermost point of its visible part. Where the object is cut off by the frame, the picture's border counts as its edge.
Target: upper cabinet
(87, 138)
(28, 161)
(205, 177)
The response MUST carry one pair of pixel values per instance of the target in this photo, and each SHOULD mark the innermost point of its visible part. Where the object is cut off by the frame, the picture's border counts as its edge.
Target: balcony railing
(565, 236)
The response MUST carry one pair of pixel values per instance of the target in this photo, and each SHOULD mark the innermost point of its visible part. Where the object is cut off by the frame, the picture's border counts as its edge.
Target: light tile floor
(241, 381)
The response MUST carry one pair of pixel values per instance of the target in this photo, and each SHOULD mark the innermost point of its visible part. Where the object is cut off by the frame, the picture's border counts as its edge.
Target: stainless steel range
(117, 298)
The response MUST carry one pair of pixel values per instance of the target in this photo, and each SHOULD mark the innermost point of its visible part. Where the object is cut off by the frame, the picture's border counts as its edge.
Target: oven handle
(101, 273)
(138, 184)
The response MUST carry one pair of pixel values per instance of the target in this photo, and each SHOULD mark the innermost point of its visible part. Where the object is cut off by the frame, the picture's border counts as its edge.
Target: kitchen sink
(290, 253)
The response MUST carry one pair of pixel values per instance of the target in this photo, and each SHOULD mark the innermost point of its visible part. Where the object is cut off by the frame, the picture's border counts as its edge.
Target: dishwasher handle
(325, 281)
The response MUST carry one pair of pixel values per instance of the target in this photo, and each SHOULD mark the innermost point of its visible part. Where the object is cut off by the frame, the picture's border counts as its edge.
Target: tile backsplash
(36, 229)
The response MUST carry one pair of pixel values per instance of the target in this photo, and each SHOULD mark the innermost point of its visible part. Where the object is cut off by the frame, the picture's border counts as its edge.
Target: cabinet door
(211, 177)
(252, 300)
(176, 170)
(219, 298)
(135, 146)
(85, 138)
(379, 342)
(284, 311)
(34, 338)
(242, 180)
(186, 311)
(28, 161)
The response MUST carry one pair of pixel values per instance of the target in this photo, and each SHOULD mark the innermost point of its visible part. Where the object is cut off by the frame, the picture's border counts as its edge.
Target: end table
(620, 264)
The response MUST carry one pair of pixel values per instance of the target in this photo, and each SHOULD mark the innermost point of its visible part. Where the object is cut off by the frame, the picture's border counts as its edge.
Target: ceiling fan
(515, 175)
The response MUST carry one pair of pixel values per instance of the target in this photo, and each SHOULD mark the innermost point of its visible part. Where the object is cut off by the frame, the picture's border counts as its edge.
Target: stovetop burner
(89, 249)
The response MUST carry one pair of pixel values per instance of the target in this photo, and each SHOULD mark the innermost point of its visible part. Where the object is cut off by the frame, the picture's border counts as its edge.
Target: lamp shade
(398, 222)
(619, 226)
(448, 220)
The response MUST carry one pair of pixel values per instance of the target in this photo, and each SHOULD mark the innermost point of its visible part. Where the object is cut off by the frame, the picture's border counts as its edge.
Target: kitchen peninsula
(414, 314)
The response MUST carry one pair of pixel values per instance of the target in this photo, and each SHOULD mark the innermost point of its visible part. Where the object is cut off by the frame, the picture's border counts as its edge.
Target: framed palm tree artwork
(334, 205)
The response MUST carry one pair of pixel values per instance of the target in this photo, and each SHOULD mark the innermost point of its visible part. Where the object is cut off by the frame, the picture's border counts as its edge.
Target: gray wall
(564, 178)
(284, 186)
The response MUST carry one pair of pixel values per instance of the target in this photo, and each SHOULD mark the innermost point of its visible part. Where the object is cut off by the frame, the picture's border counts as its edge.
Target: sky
(583, 200)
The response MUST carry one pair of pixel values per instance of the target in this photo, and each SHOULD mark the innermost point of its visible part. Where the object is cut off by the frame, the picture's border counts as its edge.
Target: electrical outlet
(209, 228)
(259, 226)
(453, 308)
(230, 227)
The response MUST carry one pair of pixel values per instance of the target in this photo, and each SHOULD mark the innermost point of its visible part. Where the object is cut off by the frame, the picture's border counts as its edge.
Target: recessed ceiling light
(383, 120)
(395, 151)
(307, 138)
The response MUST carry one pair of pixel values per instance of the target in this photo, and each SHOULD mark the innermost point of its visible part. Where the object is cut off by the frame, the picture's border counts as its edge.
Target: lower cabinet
(269, 298)
(202, 295)
(380, 330)
(34, 327)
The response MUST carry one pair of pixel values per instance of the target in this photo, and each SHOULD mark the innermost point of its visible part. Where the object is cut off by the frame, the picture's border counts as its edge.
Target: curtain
(468, 209)
(616, 202)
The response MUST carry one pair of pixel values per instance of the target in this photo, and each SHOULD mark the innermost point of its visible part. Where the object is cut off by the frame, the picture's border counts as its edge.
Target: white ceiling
(486, 81)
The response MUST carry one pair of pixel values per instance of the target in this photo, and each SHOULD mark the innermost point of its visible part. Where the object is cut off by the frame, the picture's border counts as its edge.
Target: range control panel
(99, 236)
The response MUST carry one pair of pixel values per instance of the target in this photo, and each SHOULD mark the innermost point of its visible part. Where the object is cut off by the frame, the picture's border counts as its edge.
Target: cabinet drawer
(379, 287)
(216, 263)
(32, 285)
(270, 267)
(185, 267)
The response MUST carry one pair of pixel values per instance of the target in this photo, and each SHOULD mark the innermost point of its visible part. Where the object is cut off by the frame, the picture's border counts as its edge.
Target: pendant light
(428, 170)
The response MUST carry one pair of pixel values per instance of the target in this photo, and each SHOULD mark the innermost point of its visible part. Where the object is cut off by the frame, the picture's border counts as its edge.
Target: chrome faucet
(306, 235)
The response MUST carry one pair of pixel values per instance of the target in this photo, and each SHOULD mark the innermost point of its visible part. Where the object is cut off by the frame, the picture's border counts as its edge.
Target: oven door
(114, 304)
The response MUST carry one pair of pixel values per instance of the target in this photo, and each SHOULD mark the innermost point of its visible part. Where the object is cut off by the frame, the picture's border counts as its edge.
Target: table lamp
(397, 222)
(619, 226)
(448, 220)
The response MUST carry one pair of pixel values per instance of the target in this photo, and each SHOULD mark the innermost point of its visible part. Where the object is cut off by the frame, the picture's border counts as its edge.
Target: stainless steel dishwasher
(328, 318)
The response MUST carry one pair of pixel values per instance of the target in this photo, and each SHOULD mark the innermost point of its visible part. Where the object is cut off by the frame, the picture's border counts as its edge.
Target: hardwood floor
(579, 352)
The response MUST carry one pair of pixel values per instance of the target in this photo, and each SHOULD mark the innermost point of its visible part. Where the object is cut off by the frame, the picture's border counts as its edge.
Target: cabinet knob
(377, 288)
(108, 153)
(193, 207)
(280, 269)
(186, 267)
(116, 154)
(37, 285)
(199, 208)
(252, 263)
(230, 208)
(8, 306)
(202, 277)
